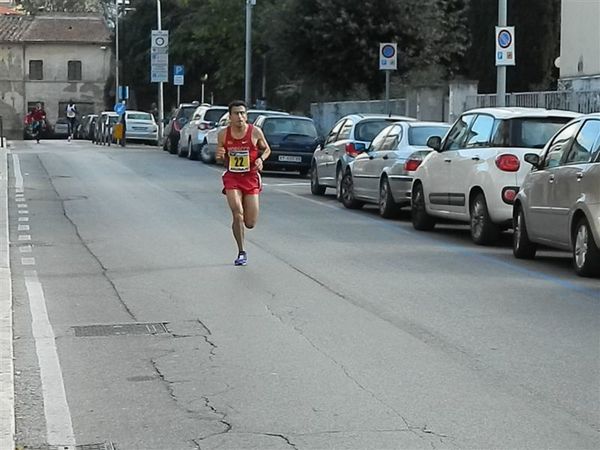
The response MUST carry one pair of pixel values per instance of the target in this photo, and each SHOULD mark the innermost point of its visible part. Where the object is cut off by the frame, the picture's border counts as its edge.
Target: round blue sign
(120, 108)
(504, 39)
(388, 51)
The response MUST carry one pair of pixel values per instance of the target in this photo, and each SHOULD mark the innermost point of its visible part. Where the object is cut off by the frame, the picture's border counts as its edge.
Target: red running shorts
(248, 183)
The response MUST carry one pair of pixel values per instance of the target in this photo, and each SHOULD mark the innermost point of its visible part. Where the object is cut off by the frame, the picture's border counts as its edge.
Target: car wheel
(420, 219)
(315, 187)
(191, 153)
(338, 184)
(586, 255)
(181, 151)
(523, 248)
(483, 230)
(387, 206)
(348, 193)
(204, 155)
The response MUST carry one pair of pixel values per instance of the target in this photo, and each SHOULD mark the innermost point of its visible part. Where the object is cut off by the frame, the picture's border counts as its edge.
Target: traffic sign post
(120, 108)
(178, 74)
(388, 60)
(159, 56)
(505, 46)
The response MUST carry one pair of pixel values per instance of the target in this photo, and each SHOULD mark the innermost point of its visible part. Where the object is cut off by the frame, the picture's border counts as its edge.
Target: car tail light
(176, 125)
(412, 164)
(508, 163)
(351, 149)
(509, 193)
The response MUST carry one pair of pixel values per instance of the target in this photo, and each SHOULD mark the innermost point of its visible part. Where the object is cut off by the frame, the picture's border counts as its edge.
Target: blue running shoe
(241, 260)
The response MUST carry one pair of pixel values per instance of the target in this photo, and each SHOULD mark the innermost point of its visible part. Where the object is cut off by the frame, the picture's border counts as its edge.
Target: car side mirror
(533, 159)
(435, 142)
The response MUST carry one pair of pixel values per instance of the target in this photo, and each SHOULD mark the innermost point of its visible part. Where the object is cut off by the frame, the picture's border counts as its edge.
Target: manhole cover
(123, 329)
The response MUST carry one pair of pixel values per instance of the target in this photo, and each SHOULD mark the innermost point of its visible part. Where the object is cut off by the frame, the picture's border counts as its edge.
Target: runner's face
(237, 116)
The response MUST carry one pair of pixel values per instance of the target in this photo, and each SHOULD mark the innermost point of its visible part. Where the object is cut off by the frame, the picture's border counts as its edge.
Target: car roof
(109, 113)
(136, 112)
(361, 116)
(420, 123)
(289, 116)
(266, 112)
(514, 112)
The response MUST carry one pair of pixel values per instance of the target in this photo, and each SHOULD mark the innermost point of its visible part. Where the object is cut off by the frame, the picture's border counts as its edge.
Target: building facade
(580, 45)
(52, 59)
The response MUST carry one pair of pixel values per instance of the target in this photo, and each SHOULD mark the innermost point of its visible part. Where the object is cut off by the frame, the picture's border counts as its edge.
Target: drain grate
(123, 329)
(101, 446)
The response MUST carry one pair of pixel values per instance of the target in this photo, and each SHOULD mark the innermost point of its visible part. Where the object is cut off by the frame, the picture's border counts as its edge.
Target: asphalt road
(345, 330)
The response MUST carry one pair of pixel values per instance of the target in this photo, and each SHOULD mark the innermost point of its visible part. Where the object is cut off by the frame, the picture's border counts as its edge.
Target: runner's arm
(220, 153)
(261, 142)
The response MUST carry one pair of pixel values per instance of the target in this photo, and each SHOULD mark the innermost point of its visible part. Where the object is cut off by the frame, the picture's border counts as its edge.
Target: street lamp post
(249, 5)
(117, 52)
(203, 79)
(161, 106)
(501, 70)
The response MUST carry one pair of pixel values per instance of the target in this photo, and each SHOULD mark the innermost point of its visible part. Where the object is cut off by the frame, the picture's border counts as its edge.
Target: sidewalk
(7, 417)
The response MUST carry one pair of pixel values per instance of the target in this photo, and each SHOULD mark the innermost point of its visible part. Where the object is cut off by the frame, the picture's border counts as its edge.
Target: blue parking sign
(178, 70)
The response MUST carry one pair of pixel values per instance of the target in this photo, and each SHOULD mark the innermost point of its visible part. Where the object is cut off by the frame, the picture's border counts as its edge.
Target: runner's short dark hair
(237, 103)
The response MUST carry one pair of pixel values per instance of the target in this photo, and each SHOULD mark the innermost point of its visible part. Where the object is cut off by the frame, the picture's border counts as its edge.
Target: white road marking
(7, 381)
(20, 199)
(23, 228)
(22, 205)
(24, 237)
(286, 184)
(28, 261)
(327, 205)
(23, 211)
(25, 249)
(18, 175)
(56, 409)
(23, 219)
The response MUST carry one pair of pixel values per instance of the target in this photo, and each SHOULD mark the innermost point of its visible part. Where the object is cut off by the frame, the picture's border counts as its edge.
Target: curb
(7, 390)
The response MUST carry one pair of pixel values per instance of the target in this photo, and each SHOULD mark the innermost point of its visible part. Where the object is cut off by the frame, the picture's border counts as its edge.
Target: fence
(579, 101)
(327, 114)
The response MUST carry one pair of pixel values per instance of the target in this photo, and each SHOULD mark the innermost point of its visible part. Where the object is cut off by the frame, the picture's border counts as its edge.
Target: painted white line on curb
(23, 219)
(22, 205)
(18, 174)
(23, 211)
(28, 261)
(7, 382)
(25, 249)
(23, 228)
(56, 409)
(24, 237)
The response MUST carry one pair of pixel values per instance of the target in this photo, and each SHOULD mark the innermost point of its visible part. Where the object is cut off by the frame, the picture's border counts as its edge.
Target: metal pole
(501, 70)
(178, 94)
(387, 92)
(117, 52)
(202, 96)
(161, 106)
(247, 95)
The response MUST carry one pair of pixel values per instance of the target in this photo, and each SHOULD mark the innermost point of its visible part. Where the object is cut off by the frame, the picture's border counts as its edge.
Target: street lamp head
(204, 77)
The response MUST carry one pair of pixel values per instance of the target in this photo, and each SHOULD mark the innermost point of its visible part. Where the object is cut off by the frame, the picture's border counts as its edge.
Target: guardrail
(579, 101)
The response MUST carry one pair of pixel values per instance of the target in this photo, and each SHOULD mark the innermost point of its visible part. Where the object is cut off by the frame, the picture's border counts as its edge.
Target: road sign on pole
(505, 46)
(159, 56)
(178, 74)
(388, 56)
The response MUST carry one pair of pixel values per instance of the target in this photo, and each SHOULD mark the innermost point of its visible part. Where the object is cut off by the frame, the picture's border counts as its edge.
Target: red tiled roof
(54, 28)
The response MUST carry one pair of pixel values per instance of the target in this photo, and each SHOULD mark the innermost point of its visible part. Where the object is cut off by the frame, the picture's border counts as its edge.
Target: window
(36, 69)
(458, 132)
(420, 135)
(528, 132)
(379, 140)
(480, 133)
(586, 143)
(334, 132)
(345, 131)
(392, 139)
(74, 70)
(368, 129)
(559, 146)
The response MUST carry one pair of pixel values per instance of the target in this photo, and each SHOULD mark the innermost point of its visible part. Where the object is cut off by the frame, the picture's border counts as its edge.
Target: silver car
(383, 174)
(141, 126)
(559, 201)
(348, 137)
(193, 134)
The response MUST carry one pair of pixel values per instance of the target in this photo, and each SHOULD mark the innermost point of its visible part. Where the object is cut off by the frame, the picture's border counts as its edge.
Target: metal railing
(579, 101)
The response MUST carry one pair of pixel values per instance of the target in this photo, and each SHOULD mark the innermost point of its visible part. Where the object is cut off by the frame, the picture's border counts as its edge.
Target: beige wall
(580, 39)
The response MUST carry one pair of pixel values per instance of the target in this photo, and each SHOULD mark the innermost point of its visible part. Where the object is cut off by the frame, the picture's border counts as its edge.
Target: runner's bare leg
(250, 203)
(234, 199)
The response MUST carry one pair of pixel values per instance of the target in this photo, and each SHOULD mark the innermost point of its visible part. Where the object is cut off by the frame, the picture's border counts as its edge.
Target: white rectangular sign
(505, 46)
(159, 56)
(388, 56)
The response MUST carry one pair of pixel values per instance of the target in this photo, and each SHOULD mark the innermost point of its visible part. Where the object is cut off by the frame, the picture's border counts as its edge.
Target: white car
(141, 126)
(193, 134)
(475, 172)
(383, 173)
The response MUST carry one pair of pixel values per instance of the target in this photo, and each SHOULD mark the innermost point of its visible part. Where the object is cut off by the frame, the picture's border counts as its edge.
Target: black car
(292, 139)
(178, 119)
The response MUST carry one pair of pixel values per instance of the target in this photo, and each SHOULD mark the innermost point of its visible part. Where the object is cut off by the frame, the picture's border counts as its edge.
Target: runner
(38, 121)
(243, 148)
(71, 117)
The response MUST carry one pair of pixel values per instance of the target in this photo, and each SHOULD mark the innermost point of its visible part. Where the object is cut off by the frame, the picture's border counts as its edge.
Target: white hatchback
(475, 172)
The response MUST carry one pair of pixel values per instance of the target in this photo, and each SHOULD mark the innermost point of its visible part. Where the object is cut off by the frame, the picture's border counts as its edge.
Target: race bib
(239, 160)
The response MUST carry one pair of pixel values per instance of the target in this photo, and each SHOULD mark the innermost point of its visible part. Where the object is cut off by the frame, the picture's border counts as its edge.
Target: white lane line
(28, 261)
(56, 409)
(18, 174)
(21, 205)
(24, 237)
(7, 381)
(286, 184)
(25, 249)
(19, 199)
(23, 219)
(316, 202)
(23, 211)
(23, 228)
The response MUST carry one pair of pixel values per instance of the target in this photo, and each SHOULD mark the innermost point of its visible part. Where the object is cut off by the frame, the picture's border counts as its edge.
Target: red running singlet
(240, 157)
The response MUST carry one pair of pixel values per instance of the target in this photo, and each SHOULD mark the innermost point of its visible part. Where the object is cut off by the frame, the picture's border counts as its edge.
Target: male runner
(243, 148)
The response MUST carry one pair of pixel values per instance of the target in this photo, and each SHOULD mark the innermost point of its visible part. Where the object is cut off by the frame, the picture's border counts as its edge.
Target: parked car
(559, 202)
(349, 136)
(383, 174)
(176, 122)
(61, 128)
(193, 133)
(141, 126)
(103, 132)
(84, 127)
(474, 174)
(208, 151)
(292, 140)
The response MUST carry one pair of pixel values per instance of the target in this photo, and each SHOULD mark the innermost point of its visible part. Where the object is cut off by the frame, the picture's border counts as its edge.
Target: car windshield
(290, 126)
(531, 132)
(140, 116)
(213, 115)
(252, 115)
(368, 129)
(419, 135)
(186, 111)
(113, 119)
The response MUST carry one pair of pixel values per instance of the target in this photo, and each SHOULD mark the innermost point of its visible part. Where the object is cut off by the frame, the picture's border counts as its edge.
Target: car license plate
(285, 158)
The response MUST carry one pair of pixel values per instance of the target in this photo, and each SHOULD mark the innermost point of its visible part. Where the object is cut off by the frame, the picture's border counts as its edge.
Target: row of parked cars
(535, 171)
(193, 128)
(98, 128)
